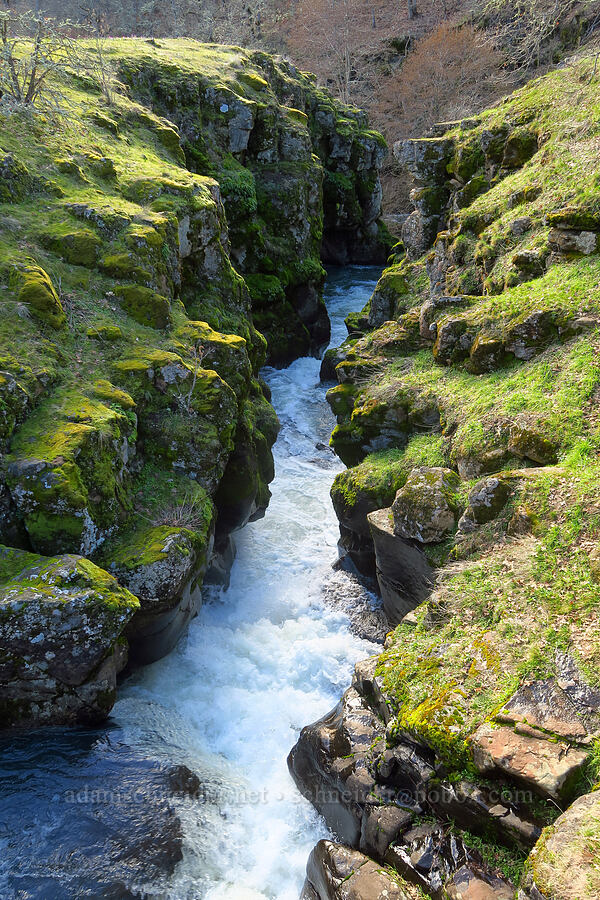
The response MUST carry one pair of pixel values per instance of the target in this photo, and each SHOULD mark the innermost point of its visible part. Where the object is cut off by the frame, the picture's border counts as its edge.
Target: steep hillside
(467, 406)
(136, 432)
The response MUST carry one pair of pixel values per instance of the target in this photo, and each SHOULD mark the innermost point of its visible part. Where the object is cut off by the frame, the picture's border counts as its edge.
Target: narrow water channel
(263, 658)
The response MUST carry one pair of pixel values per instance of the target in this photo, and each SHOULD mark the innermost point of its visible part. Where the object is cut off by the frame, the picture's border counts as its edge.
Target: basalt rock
(404, 575)
(549, 767)
(525, 441)
(62, 622)
(531, 335)
(564, 863)
(337, 872)
(330, 764)
(426, 508)
(340, 764)
(487, 499)
(486, 810)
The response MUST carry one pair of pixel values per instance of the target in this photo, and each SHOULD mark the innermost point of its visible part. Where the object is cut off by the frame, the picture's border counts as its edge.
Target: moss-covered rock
(63, 621)
(144, 305)
(15, 180)
(35, 289)
(426, 507)
(67, 472)
(80, 248)
(564, 863)
(527, 442)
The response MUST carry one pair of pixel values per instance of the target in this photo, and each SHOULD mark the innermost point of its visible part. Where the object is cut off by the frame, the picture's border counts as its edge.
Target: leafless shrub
(185, 400)
(33, 51)
(528, 30)
(189, 513)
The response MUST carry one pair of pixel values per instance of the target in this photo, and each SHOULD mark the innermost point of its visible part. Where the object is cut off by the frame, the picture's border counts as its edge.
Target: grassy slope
(510, 602)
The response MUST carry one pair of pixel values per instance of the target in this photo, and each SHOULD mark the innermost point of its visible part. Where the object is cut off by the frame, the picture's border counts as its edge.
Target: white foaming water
(263, 658)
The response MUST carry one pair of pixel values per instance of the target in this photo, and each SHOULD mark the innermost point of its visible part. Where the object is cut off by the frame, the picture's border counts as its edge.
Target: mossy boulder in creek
(62, 622)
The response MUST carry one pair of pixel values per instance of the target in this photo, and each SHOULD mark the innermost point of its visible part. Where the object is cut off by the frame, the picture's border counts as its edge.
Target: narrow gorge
(215, 531)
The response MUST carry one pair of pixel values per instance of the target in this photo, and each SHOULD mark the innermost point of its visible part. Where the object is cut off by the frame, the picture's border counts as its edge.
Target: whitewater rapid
(262, 659)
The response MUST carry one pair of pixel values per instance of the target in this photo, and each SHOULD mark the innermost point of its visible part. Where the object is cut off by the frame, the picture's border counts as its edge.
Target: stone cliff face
(299, 176)
(467, 408)
(136, 433)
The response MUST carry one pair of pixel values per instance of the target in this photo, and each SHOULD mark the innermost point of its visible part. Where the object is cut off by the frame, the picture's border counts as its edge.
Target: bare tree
(526, 28)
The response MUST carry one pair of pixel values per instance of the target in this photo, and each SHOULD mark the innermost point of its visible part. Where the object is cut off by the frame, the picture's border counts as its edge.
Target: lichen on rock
(62, 621)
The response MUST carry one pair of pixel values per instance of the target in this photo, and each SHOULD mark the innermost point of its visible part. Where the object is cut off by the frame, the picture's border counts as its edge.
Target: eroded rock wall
(146, 238)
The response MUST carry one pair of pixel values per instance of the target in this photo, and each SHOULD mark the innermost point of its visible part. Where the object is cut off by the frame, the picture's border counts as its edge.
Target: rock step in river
(101, 813)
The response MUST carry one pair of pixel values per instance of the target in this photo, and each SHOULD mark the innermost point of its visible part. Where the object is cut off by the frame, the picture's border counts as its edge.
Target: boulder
(519, 147)
(426, 159)
(452, 342)
(38, 294)
(486, 354)
(404, 575)
(520, 226)
(433, 309)
(525, 441)
(427, 855)
(381, 825)
(569, 710)
(486, 462)
(358, 491)
(164, 566)
(487, 499)
(336, 872)
(484, 810)
(530, 335)
(550, 767)
(426, 508)
(62, 623)
(565, 863)
(569, 241)
(329, 764)
(469, 883)
(530, 264)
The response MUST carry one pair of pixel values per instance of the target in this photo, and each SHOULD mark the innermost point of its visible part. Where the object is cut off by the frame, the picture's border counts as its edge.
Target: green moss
(36, 291)
(124, 265)
(106, 391)
(80, 248)
(144, 305)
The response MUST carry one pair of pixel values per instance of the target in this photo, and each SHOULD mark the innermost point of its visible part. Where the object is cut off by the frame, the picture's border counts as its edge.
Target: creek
(263, 658)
